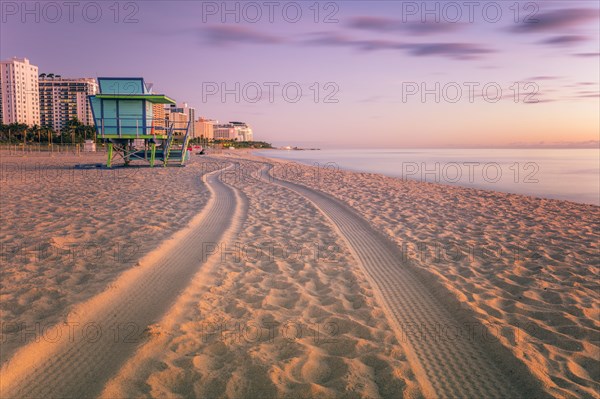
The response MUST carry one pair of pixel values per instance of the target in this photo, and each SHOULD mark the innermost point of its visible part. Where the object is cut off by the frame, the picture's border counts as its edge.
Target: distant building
(190, 114)
(159, 116)
(19, 92)
(239, 131)
(243, 132)
(204, 128)
(158, 119)
(62, 99)
(177, 118)
(224, 131)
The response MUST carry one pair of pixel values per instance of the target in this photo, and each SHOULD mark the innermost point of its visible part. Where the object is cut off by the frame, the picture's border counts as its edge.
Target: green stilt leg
(152, 154)
(110, 156)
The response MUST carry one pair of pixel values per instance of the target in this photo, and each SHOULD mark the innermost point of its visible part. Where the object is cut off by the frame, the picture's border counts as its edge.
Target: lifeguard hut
(123, 114)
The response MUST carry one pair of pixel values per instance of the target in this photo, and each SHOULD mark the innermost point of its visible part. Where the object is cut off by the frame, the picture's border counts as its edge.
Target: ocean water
(566, 174)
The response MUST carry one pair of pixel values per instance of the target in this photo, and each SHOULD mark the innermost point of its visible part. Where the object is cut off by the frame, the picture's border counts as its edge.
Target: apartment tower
(62, 99)
(19, 92)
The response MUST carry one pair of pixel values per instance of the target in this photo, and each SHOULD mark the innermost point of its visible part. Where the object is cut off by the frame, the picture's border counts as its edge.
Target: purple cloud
(420, 28)
(540, 101)
(542, 77)
(333, 39)
(373, 45)
(383, 24)
(592, 95)
(557, 19)
(588, 94)
(225, 35)
(597, 55)
(379, 24)
(565, 40)
(329, 39)
(459, 51)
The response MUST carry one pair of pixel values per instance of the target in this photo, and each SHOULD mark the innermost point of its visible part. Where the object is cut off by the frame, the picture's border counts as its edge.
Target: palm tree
(73, 127)
(35, 129)
(18, 130)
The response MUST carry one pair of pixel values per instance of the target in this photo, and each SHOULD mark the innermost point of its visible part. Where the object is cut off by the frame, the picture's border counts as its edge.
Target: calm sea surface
(568, 174)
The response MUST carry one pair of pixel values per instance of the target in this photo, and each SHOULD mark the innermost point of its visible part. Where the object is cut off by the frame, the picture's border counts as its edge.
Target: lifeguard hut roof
(153, 98)
(129, 89)
(119, 85)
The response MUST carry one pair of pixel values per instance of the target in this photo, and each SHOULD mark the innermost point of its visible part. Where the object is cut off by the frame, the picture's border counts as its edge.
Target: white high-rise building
(239, 131)
(61, 99)
(243, 131)
(224, 131)
(19, 92)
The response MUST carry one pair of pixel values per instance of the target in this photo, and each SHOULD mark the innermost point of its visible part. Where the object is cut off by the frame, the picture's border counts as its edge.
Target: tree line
(74, 132)
(229, 143)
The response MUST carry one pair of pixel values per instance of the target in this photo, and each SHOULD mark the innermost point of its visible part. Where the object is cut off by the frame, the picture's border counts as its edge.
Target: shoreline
(479, 186)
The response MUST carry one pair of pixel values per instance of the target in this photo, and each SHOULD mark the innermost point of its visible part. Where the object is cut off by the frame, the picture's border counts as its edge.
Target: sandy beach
(243, 277)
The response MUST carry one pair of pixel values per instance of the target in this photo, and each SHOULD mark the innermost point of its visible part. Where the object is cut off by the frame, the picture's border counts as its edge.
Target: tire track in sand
(76, 359)
(446, 366)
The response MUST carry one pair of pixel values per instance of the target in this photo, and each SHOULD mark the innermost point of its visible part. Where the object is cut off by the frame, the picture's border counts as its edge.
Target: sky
(345, 74)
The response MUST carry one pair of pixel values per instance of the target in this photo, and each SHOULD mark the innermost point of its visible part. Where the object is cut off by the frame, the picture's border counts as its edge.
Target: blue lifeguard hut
(123, 114)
